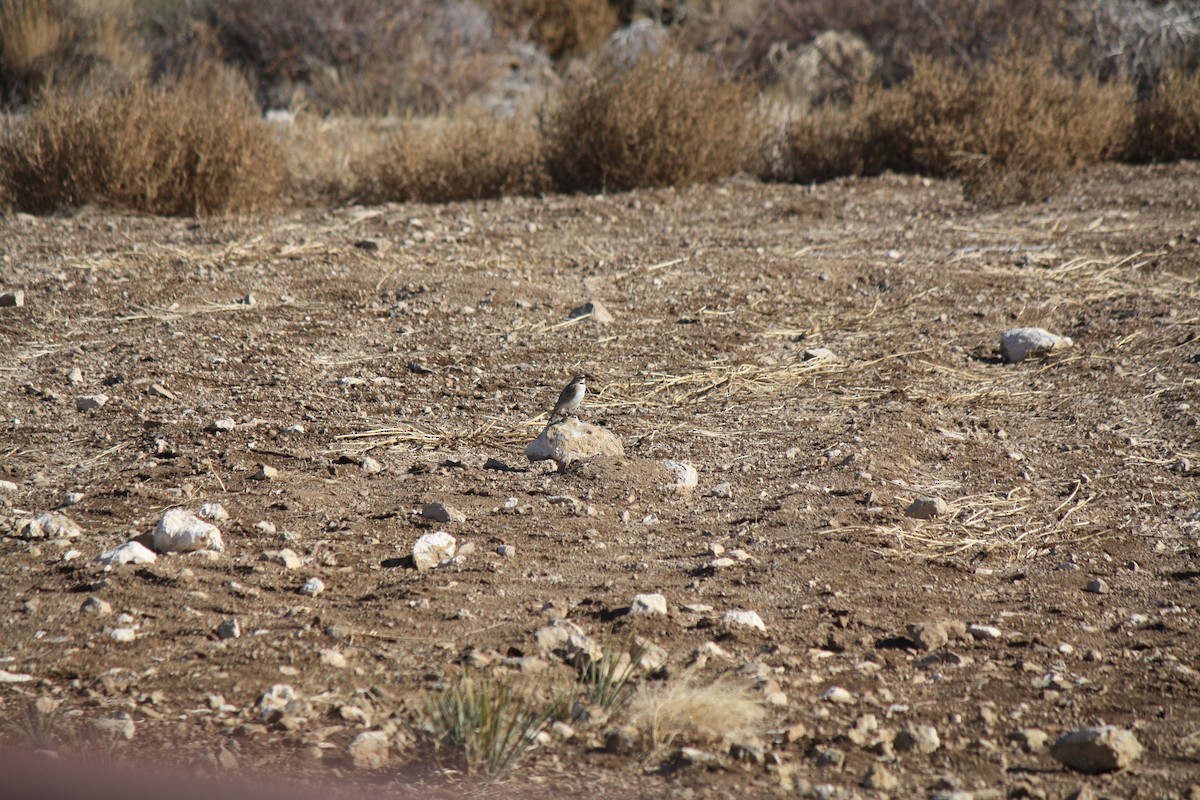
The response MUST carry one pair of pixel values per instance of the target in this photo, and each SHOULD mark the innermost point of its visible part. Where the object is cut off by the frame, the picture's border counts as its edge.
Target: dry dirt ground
(446, 345)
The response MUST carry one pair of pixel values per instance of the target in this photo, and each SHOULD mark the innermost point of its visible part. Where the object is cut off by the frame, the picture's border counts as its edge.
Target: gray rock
(312, 587)
(71, 499)
(740, 618)
(570, 441)
(369, 750)
(594, 309)
(685, 477)
(181, 531)
(75, 376)
(51, 525)
(880, 778)
(286, 557)
(8, 486)
(934, 635)
(1097, 586)
(1031, 740)
(229, 629)
(265, 473)
(128, 553)
(838, 695)
(648, 604)
(433, 549)
(370, 466)
(507, 550)
(333, 658)
(927, 508)
(12, 299)
(94, 605)
(122, 635)
(1095, 750)
(983, 632)
(14, 677)
(723, 491)
(1017, 344)
(567, 641)
(921, 738)
(440, 512)
(828, 757)
(223, 425)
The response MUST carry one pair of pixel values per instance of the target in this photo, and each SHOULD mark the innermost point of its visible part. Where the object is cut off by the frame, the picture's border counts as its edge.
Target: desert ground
(822, 355)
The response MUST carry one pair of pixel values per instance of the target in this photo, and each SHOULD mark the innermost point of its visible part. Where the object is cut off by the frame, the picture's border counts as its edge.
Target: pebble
(51, 525)
(265, 473)
(123, 635)
(594, 309)
(828, 757)
(1031, 740)
(1017, 344)
(94, 605)
(722, 490)
(433, 549)
(8, 486)
(743, 618)
(72, 498)
(369, 750)
(14, 299)
(1096, 586)
(685, 474)
(129, 553)
(507, 550)
(927, 508)
(333, 658)
(370, 466)
(984, 631)
(934, 635)
(838, 695)
(181, 531)
(648, 604)
(312, 587)
(440, 512)
(296, 428)
(223, 425)
(1094, 750)
(14, 677)
(880, 777)
(922, 738)
(286, 557)
(266, 527)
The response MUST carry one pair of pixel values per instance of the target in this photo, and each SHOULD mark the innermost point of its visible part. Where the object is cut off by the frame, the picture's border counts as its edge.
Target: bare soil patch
(445, 347)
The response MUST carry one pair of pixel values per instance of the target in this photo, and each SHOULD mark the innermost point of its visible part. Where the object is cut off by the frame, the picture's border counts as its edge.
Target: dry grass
(467, 155)
(669, 119)
(687, 711)
(560, 27)
(1168, 121)
(193, 146)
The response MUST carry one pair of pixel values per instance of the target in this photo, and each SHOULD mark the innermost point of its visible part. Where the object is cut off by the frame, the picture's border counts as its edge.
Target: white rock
(128, 553)
(51, 525)
(1095, 750)
(265, 473)
(229, 629)
(927, 508)
(123, 635)
(370, 466)
(570, 441)
(722, 490)
(440, 512)
(745, 619)
(286, 557)
(369, 750)
(432, 549)
(922, 738)
(223, 425)
(265, 526)
(296, 428)
(312, 587)
(332, 658)
(685, 474)
(1017, 344)
(839, 695)
(507, 550)
(181, 531)
(214, 511)
(75, 376)
(72, 498)
(14, 299)
(94, 605)
(648, 604)
(90, 402)
(14, 677)
(8, 486)
(984, 631)
(594, 309)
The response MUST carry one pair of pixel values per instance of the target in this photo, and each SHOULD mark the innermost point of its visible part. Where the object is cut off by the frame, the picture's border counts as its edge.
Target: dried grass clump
(694, 713)
(666, 120)
(560, 27)
(195, 145)
(1168, 121)
(468, 155)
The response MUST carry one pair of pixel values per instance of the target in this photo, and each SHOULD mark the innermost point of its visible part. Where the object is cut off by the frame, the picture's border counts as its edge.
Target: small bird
(570, 399)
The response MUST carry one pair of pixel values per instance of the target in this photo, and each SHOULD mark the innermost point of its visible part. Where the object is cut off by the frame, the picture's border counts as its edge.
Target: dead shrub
(468, 155)
(195, 145)
(560, 27)
(687, 711)
(1168, 121)
(666, 120)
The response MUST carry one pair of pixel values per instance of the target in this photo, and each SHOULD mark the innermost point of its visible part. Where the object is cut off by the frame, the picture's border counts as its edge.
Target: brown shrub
(560, 27)
(468, 155)
(193, 146)
(1168, 121)
(666, 120)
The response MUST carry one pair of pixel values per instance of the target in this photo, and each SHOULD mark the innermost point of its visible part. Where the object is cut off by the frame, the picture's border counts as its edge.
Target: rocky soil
(824, 357)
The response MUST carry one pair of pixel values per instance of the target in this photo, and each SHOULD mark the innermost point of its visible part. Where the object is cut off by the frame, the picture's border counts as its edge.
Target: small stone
(332, 658)
(685, 475)
(983, 632)
(433, 549)
(648, 604)
(440, 512)
(312, 587)
(51, 525)
(1096, 750)
(123, 635)
(594, 309)
(223, 425)
(71, 499)
(1097, 586)
(181, 531)
(370, 466)
(722, 563)
(1017, 344)
(75, 376)
(880, 777)
(929, 635)
(927, 508)
(817, 354)
(571, 441)
(286, 557)
(12, 299)
(838, 695)
(374, 245)
(369, 750)
(507, 550)
(722, 490)
(94, 605)
(214, 511)
(128, 553)
(828, 757)
(921, 738)
(745, 619)
(229, 629)
(293, 429)
(117, 726)
(8, 486)
(1031, 740)
(14, 677)
(265, 473)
